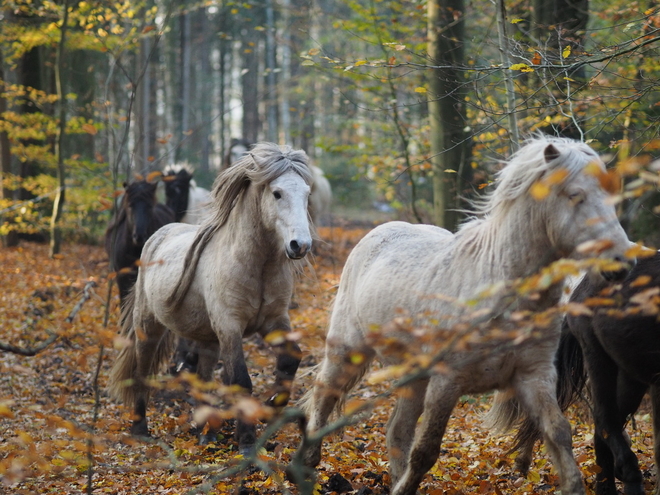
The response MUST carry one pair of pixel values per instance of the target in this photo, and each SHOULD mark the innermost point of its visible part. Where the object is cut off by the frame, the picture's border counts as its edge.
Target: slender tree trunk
(285, 105)
(186, 69)
(250, 89)
(205, 96)
(447, 108)
(60, 197)
(271, 82)
(5, 158)
(508, 77)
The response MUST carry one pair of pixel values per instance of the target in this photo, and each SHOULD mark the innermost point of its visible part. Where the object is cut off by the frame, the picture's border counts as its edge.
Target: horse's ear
(550, 153)
(125, 185)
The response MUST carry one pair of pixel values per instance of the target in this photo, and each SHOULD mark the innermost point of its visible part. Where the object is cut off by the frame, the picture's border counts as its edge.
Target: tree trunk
(271, 80)
(11, 239)
(205, 95)
(250, 87)
(60, 197)
(446, 27)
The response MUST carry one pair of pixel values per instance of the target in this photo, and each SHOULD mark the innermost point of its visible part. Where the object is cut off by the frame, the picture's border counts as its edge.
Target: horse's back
(393, 266)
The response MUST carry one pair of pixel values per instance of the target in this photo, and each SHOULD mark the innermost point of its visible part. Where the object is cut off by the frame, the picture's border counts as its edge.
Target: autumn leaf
(521, 68)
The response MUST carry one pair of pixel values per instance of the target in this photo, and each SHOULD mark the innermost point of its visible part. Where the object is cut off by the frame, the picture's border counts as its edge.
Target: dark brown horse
(139, 216)
(618, 348)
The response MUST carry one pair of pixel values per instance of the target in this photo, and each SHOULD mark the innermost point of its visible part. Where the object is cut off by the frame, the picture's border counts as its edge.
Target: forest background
(407, 106)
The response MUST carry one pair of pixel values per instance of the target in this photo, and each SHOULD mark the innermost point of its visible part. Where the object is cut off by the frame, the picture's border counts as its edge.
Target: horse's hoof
(207, 438)
(634, 488)
(140, 430)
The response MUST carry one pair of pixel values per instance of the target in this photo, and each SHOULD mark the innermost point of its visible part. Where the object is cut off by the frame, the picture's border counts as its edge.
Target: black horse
(177, 191)
(139, 216)
(618, 348)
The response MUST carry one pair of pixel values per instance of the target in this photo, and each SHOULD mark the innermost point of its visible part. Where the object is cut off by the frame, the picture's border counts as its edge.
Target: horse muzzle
(298, 249)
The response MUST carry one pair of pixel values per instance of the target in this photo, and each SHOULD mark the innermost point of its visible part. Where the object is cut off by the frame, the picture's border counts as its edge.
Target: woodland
(408, 107)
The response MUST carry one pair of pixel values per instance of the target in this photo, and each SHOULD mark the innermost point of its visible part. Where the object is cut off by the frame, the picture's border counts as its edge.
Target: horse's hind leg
(537, 394)
(337, 375)
(146, 355)
(441, 397)
(401, 426)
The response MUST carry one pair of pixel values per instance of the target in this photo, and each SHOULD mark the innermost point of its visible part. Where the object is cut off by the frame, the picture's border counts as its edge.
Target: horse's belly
(484, 374)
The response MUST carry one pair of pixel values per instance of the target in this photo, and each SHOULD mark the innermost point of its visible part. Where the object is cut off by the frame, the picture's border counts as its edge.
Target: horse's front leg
(612, 396)
(235, 372)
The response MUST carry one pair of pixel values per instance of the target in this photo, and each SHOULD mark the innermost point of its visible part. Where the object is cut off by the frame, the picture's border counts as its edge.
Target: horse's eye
(576, 198)
(277, 195)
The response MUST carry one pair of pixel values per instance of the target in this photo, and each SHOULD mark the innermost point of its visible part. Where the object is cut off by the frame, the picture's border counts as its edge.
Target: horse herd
(457, 309)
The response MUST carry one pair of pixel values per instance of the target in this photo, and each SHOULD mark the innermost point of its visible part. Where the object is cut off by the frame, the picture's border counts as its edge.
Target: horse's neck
(510, 245)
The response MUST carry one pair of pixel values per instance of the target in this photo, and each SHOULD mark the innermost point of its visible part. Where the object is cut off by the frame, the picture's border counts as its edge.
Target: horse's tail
(571, 379)
(123, 384)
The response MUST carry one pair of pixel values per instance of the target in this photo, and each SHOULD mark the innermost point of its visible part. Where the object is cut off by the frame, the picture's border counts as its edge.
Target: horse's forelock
(271, 161)
(141, 191)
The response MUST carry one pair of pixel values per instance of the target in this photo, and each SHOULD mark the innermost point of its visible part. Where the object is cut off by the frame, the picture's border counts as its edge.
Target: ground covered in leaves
(59, 429)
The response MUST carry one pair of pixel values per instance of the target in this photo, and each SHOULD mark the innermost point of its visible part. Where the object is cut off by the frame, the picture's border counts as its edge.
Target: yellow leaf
(521, 68)
(420, 89)
(360, 62)
(307, 62)
(516, 21)
(539, 191)
(566, 52)
(313, 51)
(5, 411)
(557, 177)
(639, 251)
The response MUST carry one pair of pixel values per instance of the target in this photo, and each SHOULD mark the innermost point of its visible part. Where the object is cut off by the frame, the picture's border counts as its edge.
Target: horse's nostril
(295, 247)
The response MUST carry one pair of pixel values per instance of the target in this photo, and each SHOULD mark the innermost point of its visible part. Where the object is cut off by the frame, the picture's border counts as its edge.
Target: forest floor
(50, 415)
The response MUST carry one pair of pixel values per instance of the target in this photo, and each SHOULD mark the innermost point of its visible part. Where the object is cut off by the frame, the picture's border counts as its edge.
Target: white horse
(407, 289)
(222, 281)
(190, 203)
(320, 198)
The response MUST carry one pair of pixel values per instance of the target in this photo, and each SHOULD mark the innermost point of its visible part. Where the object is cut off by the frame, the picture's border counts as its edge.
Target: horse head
(284, 208)
(139, 201)
(177, 190)
(238, 148)
(581, 217)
